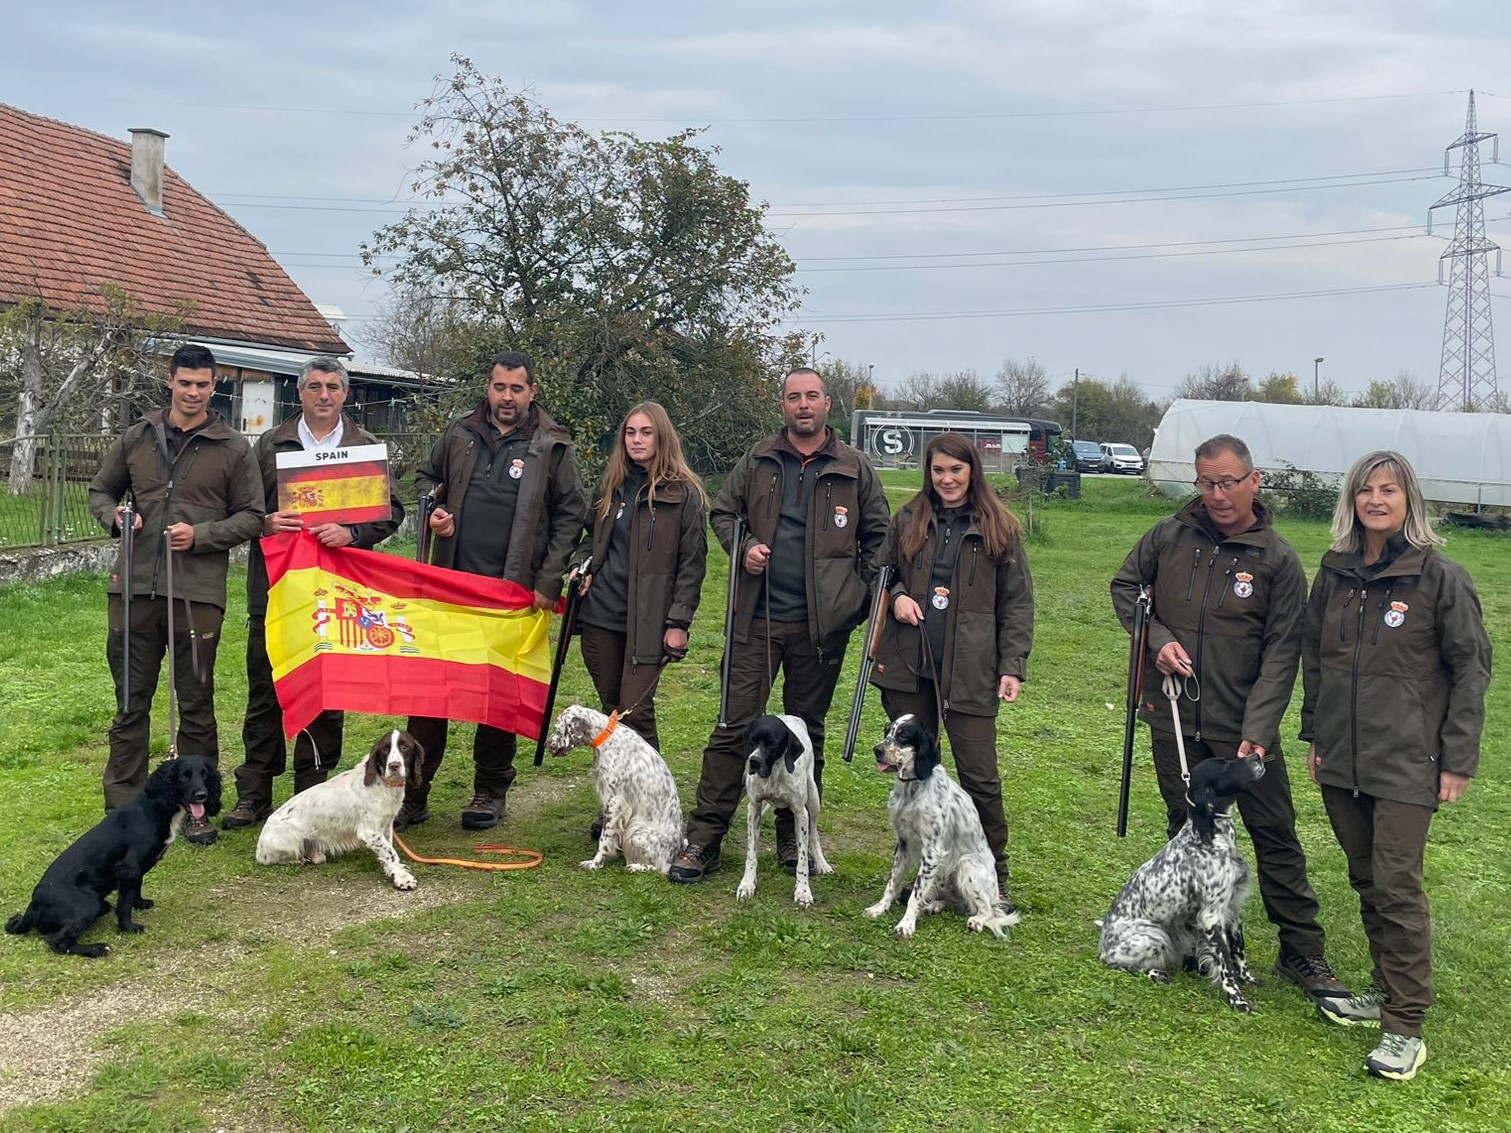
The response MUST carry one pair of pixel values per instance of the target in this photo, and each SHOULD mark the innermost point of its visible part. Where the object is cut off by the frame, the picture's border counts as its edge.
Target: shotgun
(1136, 650)
(868, 656)
(563, 647)
(427, 505)
(128, 579)
(736, 565)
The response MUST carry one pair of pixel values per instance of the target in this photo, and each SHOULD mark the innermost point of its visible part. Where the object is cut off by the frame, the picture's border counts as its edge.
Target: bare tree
(1216, 383)
(1023, 387)
(964, 389)
(919, 390)
(848, 384)
(1329, 392)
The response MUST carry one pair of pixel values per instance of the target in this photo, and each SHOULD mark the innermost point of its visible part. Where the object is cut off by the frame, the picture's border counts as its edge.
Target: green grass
(555, 999)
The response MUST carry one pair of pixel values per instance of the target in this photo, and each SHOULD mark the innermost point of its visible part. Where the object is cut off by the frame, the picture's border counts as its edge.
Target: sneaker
(483, 811)
(411, 814)
(245, 814)
(1312, 974)
(197, 830)
(1362, 1010)
(694, 864)
(1397, 1057)
(786, 853)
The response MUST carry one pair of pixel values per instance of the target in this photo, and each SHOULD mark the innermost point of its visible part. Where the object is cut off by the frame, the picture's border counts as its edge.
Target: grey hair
(1348, 532)
(1213, 447)
(325, 364)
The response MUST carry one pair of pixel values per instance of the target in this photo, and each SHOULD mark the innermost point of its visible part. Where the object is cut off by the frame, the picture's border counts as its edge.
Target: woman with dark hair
(645, 549)
(961, 621)
(1396, 661)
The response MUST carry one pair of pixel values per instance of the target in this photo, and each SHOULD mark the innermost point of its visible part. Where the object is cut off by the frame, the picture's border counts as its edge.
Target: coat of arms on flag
(342, 485)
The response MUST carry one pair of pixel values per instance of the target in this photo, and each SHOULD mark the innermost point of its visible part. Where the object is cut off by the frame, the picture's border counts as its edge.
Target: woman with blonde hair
(644, 549)
(1396, 661)
(961, 621)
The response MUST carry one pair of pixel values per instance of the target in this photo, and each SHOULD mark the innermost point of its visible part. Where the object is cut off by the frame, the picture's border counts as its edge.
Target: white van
(1123, 458)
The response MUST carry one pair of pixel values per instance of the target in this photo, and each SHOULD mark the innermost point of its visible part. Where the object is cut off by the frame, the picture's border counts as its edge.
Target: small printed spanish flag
(348, 485)
(369, 632)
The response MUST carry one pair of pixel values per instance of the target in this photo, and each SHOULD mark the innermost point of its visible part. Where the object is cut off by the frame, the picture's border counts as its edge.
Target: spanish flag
(347, 485)
(369, 632)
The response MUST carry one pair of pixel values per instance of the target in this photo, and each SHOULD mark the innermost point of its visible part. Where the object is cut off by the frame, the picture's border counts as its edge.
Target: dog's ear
(212, 786)
(416, 762)
(1204, 810)
(373, 768)
(792, 747)
(926, 756)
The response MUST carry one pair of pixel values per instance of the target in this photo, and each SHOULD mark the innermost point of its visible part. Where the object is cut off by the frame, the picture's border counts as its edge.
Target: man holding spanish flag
(510, 506)
(321, 425)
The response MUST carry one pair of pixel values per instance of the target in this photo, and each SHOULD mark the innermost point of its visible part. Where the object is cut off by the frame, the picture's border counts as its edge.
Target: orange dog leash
(531, 858)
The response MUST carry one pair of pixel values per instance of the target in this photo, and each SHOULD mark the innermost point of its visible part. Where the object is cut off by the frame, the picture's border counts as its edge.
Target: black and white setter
(642, 816)
(1185, 904)
(115, 855)
(354, 808)
(779, 773)
(938, 828)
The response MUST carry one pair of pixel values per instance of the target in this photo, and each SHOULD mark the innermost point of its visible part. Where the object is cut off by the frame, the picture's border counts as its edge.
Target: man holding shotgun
(195, 491)
(510, 505)
(814, 515)
(1224, 640)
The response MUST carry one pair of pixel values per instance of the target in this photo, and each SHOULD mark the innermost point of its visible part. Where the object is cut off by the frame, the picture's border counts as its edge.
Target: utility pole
(1467, 378)
(1075, 403)
(1316, 385)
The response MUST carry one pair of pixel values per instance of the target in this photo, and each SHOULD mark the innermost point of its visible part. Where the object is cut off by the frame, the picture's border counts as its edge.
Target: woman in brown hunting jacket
(1396, 662)
(645, 547)
(962, 621)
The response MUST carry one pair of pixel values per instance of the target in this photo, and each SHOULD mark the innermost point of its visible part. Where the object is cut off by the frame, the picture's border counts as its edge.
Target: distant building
(896, 438)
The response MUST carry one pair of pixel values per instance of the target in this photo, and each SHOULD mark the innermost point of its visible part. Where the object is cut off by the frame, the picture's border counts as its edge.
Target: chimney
(147, 167)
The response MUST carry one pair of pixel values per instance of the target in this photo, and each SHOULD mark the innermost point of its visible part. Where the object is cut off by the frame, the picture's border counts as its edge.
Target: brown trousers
(603, 653)
(807, 690)
(317, 749)
(1269, 815)
(973, 744)
(1384, 842)
(196, 632)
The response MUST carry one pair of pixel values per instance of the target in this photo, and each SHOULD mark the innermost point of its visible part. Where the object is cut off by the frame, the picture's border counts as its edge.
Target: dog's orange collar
(608, 730)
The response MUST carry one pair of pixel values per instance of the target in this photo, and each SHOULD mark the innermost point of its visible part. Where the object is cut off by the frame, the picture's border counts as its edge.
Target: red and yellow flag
(369, 632)
(348, 485)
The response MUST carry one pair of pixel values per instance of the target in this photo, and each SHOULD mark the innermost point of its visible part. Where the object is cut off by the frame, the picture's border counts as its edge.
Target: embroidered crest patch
(516, 469)
(941, 599)
(1243, 584)
(841, 516)
(1396, 615)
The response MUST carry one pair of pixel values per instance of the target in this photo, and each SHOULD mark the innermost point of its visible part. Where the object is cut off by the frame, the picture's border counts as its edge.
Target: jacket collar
(288, 430)
(1194, 515)
(215, 428)
(1400, 560)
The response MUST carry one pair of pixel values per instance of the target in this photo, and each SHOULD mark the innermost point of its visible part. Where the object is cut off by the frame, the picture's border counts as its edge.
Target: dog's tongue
(197, 809)
(886, 770)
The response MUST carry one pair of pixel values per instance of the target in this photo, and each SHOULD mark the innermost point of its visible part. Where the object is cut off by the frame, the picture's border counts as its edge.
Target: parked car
(1123, 458)
(1089, 457)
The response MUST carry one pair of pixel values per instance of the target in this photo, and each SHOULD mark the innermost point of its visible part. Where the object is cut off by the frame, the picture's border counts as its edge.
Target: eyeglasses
(1207, 487)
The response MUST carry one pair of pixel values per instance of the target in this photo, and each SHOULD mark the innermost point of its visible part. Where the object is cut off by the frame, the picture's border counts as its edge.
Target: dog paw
(803, 898)
(745, 891)
(641, 867)
(905, 928)
(132, 928)
(144, 903)
(822, 867)
(876, 910)
(976, 923)
(1241, 1005)
(591, 863)
(405, 880)
(1158, 976)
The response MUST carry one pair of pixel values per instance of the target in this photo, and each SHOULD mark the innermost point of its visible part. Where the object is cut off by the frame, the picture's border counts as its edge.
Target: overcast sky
(922, 161)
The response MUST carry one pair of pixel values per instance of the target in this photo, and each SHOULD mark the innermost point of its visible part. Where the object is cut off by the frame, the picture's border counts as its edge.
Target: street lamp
(1316, 388)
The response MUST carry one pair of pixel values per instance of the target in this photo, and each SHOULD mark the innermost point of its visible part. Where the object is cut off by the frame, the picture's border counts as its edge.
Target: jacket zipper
(191, 448)
(1353, 715)
(1201, 628)
(1191, 584)
(1374, 638)
(1227, 574)
(1343, 616)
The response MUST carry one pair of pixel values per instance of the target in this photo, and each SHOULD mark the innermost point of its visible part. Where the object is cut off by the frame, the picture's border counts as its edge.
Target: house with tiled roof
(80, 211)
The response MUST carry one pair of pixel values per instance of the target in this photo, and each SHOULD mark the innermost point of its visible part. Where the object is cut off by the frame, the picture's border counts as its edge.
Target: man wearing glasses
(1228, 596)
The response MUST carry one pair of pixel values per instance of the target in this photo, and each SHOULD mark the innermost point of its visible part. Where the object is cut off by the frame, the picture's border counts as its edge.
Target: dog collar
(387, 782)
(608, 730)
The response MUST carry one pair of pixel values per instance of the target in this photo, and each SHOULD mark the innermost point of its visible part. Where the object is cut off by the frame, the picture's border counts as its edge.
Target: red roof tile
(70, 222)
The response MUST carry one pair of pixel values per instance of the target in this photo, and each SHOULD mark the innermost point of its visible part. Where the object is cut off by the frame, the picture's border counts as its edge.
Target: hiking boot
(1005, 904)
(1397, 1057)
(412, 813)
(245, 813)
(483, 811)
(1312, 974)
(197, 829)
(694, 864)
(786, 853)
(1362, 1010)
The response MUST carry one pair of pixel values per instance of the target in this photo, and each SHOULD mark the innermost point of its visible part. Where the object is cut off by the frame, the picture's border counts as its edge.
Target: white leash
(1175, 687)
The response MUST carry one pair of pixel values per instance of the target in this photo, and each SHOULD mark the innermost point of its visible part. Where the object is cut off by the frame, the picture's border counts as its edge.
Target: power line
(1111, 307)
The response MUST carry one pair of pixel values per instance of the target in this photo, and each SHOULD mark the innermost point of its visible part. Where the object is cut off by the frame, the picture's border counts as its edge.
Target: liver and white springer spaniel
(354, 808)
